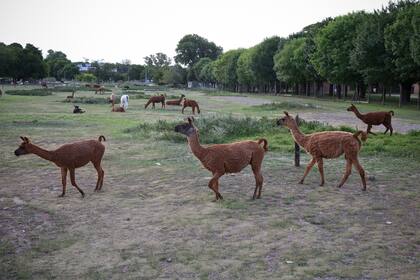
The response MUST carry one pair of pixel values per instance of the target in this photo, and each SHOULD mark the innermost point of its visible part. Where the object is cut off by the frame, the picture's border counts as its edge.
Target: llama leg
(387, 128)
(214, 185)
(361, 172)
(100, 172)
(390, 129)
(73, 182)
(346, 173)
(63, 180)
(369, 128)
(183, 107)
(308, 168)
(258, 181)
(321, 170)
(102, 179)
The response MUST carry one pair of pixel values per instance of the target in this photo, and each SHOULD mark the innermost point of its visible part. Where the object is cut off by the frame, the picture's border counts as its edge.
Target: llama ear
(286, 113)
(23, 139)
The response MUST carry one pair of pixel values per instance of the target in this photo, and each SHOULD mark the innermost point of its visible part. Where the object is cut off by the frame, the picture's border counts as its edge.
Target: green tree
(196, 68)
(59, 66)
(86, 77)
(225, 69)
(191, 48)
(334, 44)
(400, 41)
(244, 69)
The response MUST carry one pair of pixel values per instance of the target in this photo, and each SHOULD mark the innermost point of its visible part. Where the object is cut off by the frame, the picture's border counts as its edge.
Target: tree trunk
(405, 93)
(338, 87)
(345, 91)
(383, 94)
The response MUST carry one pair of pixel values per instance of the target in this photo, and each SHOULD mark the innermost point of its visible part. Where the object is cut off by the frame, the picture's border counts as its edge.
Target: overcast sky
(131, 29)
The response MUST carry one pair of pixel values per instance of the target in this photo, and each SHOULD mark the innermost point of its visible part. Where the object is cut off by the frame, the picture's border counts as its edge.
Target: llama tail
(391, 112)
(101, 138)
(265, 144)
(363, 136)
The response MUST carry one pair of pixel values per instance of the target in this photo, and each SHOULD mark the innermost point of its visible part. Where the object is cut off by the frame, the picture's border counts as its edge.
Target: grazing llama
(156, 99)
(118, 109)
(175, 102)
(99, 90)
(374, 118)
(190, 103)
(69, 157)
(328, 144)
(220, 159)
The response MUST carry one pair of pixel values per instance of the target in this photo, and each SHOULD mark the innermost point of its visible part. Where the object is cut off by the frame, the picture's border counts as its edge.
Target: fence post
(297, 147)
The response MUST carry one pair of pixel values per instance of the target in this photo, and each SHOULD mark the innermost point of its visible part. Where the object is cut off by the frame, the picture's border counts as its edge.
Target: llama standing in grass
(190, 103)
(175, 102)
(328, 144)
(69, 157)
(226, 158)
(156, 99)
(374, 118)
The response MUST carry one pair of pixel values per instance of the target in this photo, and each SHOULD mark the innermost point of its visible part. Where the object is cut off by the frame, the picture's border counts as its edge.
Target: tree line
(380, 49)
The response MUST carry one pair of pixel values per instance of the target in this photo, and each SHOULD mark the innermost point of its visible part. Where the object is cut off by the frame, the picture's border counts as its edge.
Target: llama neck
(181, 99)
(299, 137)
(198, 150)
(358, 114)
(48, 155)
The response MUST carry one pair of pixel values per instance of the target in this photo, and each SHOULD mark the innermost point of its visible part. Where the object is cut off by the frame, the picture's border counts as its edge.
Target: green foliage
(225, 68)
(334, 44)
(30, 92)
(191, 48)
(262, 60)
(88, 100)
(401, 40)
(86, 77)
(59, 66)
(290, 62)
(244, 71)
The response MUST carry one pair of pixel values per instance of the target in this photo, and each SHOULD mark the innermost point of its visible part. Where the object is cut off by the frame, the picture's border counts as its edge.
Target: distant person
(124, 101)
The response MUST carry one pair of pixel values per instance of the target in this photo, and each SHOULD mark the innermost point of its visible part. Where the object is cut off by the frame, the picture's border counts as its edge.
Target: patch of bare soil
(160, 223)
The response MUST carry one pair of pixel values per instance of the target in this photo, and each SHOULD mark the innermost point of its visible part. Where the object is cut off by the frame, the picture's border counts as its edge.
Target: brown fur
(374, 118)
(99, 89)
(190, 103)
(175, 102)
(118, 109)
(328, 144)
(220, 159)
(69, 157)
(156, 99)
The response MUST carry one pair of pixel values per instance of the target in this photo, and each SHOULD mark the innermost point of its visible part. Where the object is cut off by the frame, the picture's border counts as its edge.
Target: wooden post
(297, 147)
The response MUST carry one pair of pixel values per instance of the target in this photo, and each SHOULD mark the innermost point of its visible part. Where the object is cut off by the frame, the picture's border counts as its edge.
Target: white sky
(132, 29)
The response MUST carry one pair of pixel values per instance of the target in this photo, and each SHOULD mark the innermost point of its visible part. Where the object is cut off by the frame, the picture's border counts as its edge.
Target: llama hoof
(364, 189)
(321, 185)
(61, 195)
(339, 187)
(300, 182)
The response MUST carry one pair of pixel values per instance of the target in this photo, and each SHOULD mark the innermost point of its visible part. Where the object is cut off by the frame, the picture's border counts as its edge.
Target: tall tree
(225, 69)
(191, 48)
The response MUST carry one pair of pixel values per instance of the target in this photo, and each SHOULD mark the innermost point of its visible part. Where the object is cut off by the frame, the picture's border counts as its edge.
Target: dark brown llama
(220, 159)
(69, 157)
(328, 144)
(374, 118)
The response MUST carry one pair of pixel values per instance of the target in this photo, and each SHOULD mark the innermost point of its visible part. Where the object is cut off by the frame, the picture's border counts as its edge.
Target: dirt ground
(155, 219)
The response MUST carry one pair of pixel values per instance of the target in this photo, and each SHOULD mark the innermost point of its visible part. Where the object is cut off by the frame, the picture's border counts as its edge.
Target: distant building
(85, 67)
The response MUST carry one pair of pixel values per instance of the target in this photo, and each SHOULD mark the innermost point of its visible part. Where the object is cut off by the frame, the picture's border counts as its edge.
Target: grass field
(155, 218)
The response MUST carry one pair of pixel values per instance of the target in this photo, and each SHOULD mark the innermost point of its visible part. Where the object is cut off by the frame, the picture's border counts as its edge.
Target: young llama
(175, 102)
(220, 159)
(156, 99)
(69, 157)
(374, 118)
(328, 144)
(190, 103)
(118, 109)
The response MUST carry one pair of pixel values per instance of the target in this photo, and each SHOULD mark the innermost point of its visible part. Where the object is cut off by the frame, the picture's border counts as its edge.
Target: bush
(30, 92)
(286, 106)
(87, 100)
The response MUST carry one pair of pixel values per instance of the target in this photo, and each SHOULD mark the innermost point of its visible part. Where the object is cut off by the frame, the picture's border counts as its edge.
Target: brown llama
(374, 118)
(220, 159)
(71, 96)
(328, 144)
(99, 90)
(118, 109)
(175, 102)
(190, 103)
(69, 157)
(156, 99)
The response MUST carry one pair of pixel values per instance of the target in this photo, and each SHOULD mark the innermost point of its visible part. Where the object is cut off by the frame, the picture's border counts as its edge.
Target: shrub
(30, 92)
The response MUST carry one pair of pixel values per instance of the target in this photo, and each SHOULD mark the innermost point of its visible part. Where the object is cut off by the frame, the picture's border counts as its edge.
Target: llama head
(23, 147)
(351, 108)
(188, 128)
(287, 121)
